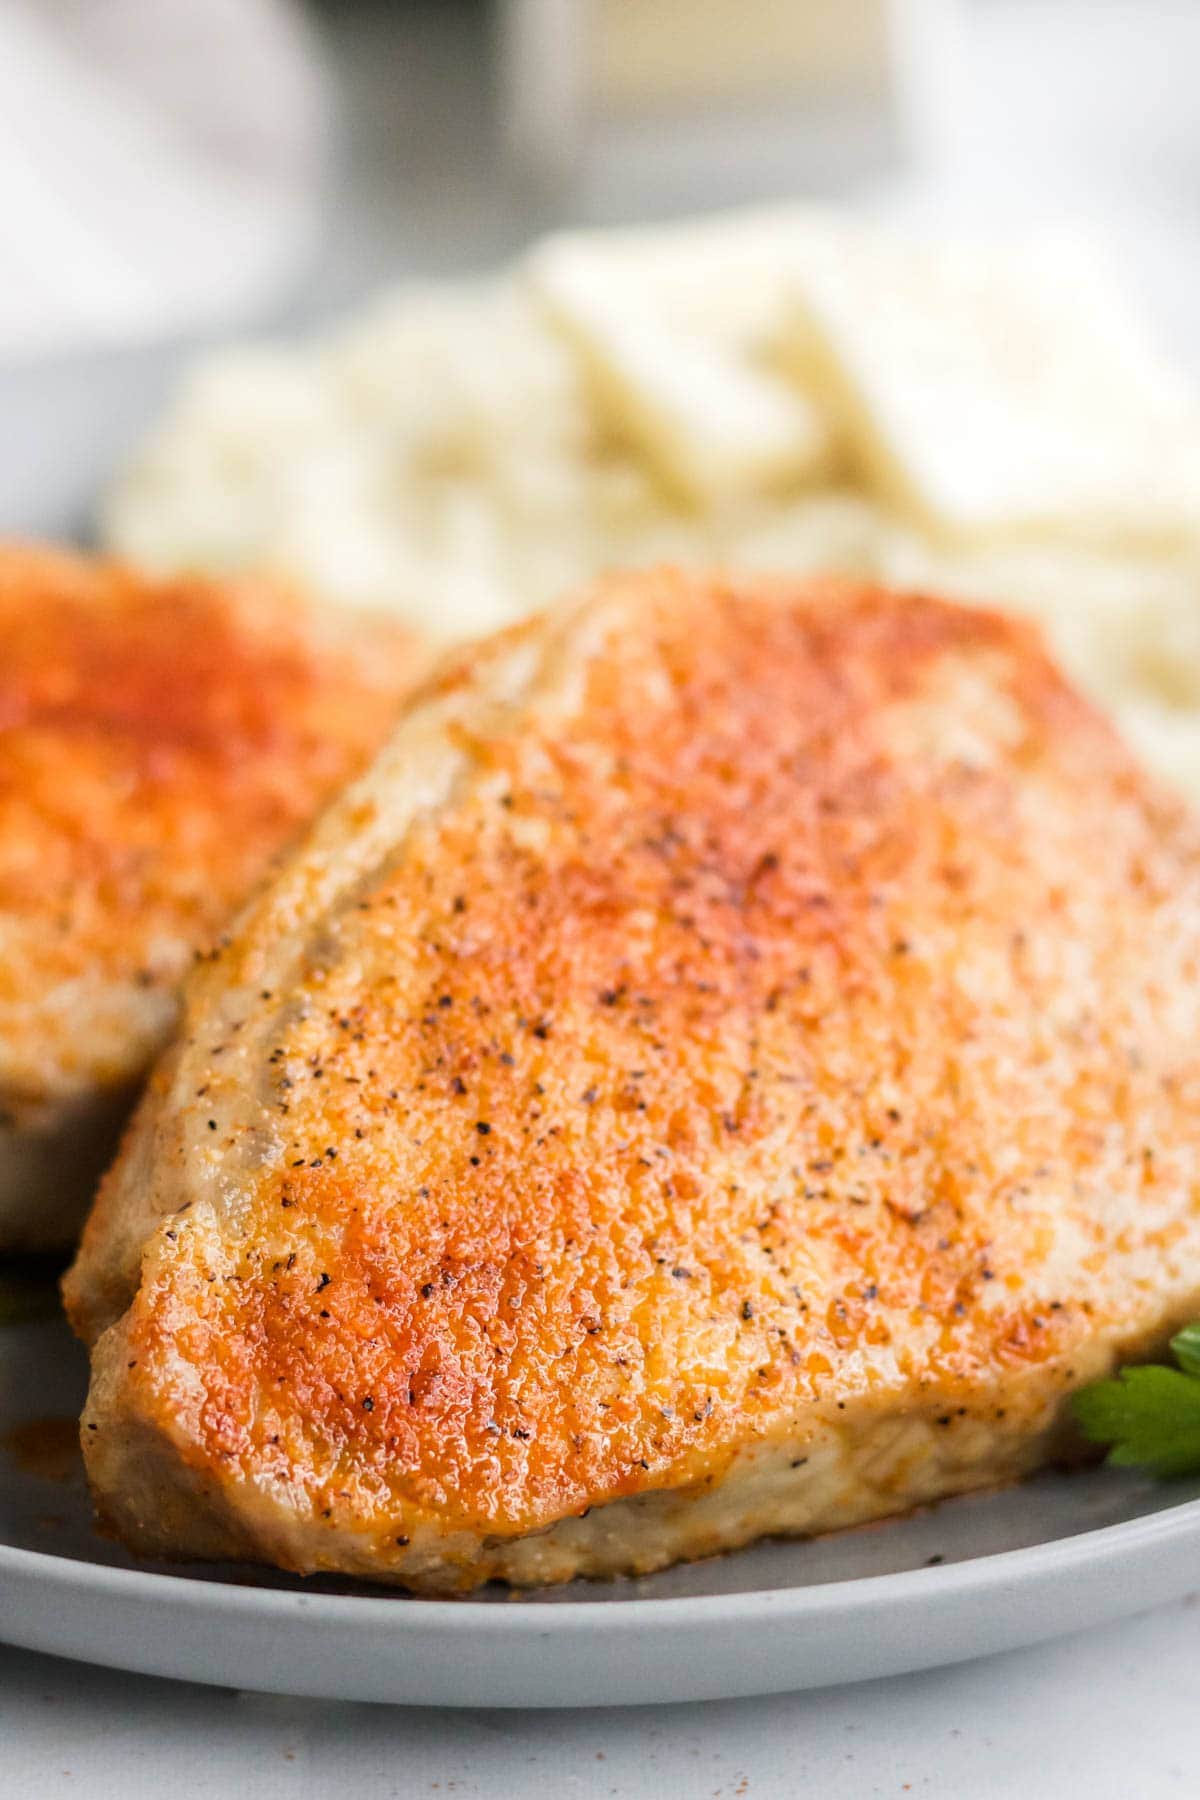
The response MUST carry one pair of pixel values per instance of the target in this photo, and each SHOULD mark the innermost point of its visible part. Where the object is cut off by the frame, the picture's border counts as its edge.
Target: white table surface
(1112, 1716)
(1111, 130)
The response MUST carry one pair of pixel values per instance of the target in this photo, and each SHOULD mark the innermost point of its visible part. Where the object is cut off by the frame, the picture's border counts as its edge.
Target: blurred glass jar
(722, 99)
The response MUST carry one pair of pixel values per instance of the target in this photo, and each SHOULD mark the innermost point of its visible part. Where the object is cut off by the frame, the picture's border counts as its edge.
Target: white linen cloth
(161, 165)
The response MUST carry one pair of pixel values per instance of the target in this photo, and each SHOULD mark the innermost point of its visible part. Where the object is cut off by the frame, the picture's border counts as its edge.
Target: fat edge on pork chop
(160, 742)
(731, 1067)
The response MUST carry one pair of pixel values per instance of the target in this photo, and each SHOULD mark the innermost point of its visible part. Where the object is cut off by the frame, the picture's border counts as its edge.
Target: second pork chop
(160, 742)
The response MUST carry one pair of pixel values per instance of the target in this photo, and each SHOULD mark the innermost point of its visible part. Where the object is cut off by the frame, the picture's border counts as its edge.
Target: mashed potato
(785, 390)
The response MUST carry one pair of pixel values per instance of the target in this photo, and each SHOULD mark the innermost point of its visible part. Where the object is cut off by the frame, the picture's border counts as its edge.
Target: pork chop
(159, 743)
(732, 1066)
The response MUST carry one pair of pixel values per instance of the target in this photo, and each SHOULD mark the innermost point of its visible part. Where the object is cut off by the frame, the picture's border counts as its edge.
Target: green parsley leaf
(1185, 1348)
(1149, 1415)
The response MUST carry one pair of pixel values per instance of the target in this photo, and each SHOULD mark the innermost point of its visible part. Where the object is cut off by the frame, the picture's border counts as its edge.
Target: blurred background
(174, 174)
(169, 168)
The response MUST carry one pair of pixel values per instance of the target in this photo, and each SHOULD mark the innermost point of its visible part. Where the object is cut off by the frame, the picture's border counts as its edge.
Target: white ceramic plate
(972, 1576)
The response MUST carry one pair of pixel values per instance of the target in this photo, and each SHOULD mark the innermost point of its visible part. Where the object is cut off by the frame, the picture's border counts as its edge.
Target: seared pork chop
(159, 743)
(732, 1066)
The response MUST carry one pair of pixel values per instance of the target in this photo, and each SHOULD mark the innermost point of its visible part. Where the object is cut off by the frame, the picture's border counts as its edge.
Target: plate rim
(988, 1571)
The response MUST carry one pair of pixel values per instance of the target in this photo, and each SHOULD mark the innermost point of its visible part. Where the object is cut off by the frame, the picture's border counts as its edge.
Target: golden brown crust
(789, 1011)
(160, 743)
